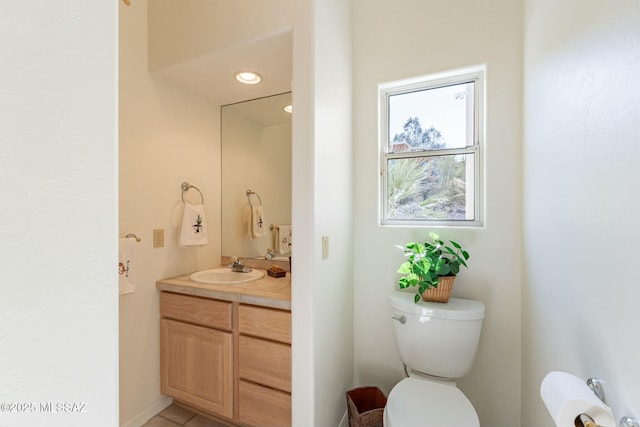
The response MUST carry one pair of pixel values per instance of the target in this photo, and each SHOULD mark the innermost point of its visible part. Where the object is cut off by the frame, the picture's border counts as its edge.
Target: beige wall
(581, 171)
(182, 31)
(58, 222)
(167, 136)
(410, 38)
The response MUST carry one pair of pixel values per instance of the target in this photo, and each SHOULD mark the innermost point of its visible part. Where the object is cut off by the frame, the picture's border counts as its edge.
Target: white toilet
(438, 344)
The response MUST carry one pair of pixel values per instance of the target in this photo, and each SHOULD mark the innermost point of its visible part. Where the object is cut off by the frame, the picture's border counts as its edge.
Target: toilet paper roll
(567, 396)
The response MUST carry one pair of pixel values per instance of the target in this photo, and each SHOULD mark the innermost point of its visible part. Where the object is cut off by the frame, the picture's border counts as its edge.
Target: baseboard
(344, 422)
(148, 413)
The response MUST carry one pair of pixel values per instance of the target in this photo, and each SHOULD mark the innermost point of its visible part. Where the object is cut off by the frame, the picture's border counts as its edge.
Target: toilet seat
(421, 403)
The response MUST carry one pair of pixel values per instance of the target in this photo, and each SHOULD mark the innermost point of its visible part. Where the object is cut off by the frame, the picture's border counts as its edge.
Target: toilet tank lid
(456, 308)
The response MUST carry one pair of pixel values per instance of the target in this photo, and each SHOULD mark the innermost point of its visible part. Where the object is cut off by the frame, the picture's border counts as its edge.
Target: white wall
(581, 171)
(167, 136)
(322, 206)
(333, 203)
(302, 212)
(410, 38)
(58, 224)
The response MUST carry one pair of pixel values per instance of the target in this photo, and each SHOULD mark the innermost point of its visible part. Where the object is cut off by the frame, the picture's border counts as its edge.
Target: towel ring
(186, 187)
(249, 193)
(132, 236)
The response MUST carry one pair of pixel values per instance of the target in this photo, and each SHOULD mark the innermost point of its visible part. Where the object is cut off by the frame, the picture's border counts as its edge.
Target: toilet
(437, 344)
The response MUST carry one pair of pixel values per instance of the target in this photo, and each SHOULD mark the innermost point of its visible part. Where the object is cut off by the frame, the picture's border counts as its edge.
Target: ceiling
(212, 74)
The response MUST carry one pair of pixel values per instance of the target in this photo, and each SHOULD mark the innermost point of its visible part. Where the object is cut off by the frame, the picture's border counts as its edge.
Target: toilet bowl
(437, 343)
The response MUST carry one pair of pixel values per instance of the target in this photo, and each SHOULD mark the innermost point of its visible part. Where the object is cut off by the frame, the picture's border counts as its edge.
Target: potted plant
(432, 267)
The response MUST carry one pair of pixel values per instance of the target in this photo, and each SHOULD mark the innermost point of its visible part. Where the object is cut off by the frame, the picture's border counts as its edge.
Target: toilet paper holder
(584, 420)
(628, 422)
(595, 384)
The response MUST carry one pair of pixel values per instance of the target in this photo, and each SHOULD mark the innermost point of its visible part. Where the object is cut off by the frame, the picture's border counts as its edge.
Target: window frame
(385, 91)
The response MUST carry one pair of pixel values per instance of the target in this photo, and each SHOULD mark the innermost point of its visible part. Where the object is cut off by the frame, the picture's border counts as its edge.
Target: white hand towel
(284, 239)
(193, 229)
(127, 265)
(256, 223)
(276, 238)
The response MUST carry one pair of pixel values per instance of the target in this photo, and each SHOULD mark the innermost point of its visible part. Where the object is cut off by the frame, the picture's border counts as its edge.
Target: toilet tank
(437, 339)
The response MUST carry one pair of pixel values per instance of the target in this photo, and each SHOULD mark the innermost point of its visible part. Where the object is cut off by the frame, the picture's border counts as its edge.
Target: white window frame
(477, 75)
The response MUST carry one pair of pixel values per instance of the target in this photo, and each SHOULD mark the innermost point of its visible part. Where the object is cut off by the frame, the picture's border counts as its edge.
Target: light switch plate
(325, 247)
(158, 238)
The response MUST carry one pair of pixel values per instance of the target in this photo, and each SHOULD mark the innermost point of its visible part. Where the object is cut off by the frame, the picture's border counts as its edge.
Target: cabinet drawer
(201, 311)
(265, 362)
(262, 406)
(265, 322)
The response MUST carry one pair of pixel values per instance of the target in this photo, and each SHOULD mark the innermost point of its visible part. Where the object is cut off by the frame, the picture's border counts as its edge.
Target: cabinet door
(196, 366)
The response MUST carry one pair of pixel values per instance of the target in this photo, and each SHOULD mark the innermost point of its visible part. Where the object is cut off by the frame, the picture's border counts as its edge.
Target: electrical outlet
(325, 247)
(158, 238)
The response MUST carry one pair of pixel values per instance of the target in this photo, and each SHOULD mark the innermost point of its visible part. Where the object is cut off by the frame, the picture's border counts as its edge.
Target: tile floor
(176, 416)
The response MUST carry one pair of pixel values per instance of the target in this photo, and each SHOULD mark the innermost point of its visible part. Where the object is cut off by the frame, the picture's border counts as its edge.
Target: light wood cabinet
(201, 311)
(196, 360)
(264, 368)
(265, 362)
(263, 406)
(265, 322)
(227, 359)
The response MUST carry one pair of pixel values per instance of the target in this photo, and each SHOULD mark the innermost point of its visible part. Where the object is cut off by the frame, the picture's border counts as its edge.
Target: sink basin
(224, 276)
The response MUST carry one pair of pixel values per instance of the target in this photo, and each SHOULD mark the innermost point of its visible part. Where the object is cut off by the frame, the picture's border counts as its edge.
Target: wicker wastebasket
(365, 406)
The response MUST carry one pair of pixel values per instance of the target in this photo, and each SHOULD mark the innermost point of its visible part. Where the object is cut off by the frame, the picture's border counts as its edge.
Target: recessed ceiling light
(248, 77)
(288, 108)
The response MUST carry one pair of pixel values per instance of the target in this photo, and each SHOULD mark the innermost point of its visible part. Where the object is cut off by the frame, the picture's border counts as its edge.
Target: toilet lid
(420, 403)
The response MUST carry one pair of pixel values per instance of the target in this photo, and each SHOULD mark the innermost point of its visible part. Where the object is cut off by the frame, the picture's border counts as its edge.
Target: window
(431, 138)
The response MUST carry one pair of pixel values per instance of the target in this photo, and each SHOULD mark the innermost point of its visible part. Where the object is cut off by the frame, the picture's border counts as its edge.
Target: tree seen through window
(425, 187)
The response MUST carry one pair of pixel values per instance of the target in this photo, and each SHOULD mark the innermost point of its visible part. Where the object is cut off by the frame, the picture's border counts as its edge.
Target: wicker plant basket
(442, 292)
(365, 406)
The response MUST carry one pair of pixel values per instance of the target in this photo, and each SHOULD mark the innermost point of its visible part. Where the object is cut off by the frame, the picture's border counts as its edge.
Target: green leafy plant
(426, 262)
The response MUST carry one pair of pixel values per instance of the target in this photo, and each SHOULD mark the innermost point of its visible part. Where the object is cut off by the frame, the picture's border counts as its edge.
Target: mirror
(256, 156)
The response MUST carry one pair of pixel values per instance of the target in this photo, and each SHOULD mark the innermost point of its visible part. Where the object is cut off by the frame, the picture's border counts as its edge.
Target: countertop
(268, 291)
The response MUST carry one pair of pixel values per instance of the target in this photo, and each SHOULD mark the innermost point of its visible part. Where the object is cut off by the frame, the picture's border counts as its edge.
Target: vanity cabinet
(227, 359)
(196, 352)
(264, 367)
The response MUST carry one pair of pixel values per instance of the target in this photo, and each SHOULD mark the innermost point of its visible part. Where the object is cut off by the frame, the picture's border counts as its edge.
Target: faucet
(269, 254)
(238, 267)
